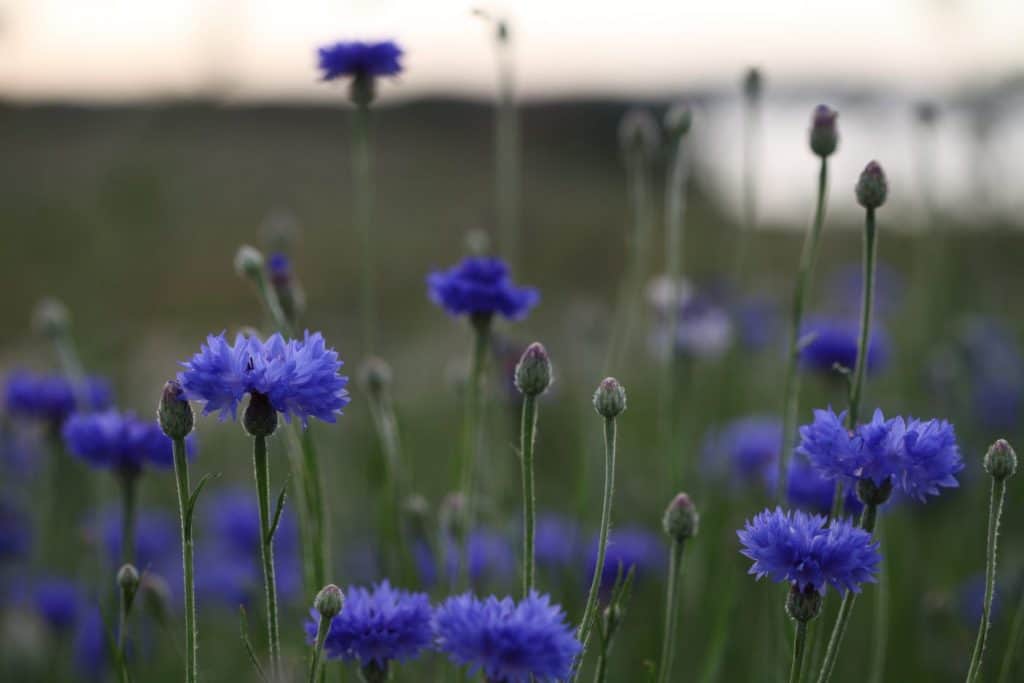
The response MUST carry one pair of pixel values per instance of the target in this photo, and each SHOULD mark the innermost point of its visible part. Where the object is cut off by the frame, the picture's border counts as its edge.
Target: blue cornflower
(279, 267)
(931, 458)
(799, 548)
(746, 450)
(378, 626)
(51, 397)
(15, 532)
(831, 342)
(58, 602)
(119, 441)
(509, 642)
(358, 59)
(628, 547)
(299, 377)
(995, 371)
(809, 490)
(845, 286)
(480, 286)
(828, 445)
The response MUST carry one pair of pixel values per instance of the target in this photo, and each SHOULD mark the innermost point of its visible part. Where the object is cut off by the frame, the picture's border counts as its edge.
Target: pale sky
(118, 49)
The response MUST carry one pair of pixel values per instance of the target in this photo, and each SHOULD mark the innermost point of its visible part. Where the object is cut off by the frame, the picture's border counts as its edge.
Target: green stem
(128, 490)
(322, 629)
(587, 622)
(507, 156)
(791, 386)
(601, 671)
(472, 440)
(867, 522)
(863, 342)
(672, 599)
(995, 512)
(262, 471)
(796, 670)
(880, 632)
(316, 508)
(191, 631)
(372, 673)
(528, 431)
(362, 200)
(1012, 643)
(386, 425)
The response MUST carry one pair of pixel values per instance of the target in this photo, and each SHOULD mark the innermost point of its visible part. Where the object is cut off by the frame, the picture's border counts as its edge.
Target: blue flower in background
(628, 546)
(557, 541)
(844, 286)
(157, 542)
(809, 490)
(379, 625)
(51, 397)
(995, 371)
(21, 452)
(491, 557)
(58, 602)
(800, 549)
(299, 377)
(90, 643)
(119, 441)
(480, 286)
(15, 532)
(757, 321)
(358, 59)
(831, 341)
(746, 450)
(508, 642)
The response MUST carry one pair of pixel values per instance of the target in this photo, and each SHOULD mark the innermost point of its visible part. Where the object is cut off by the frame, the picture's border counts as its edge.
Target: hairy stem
(191, 627)
(527, 432)
(673, 595)
(796, 670)
(995, 512)
(261, 466)
(863, 342)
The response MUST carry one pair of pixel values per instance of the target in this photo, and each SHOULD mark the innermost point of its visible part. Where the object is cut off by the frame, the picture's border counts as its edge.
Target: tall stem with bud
(328, 603)
(680, 523)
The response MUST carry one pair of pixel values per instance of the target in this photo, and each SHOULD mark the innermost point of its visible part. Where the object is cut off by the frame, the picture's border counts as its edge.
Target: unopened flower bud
(156, 596)
(639, 136)
(1000, 460)
(128, 578)
(51, 318)
(803, 605)
(824, 134)
(678, 120)
(249, 262)
(533, 371)
(375, 376)
(329, 601)
(871, 188)
(452, 516)
(681, 520)
(610, 398)
(260, 418)
(174, 412)
(871, 493)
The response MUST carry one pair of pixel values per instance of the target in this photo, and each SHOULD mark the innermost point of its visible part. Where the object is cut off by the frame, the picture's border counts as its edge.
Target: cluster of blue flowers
(51, 398)
(917, 457)
(832, 342)
(480, 286)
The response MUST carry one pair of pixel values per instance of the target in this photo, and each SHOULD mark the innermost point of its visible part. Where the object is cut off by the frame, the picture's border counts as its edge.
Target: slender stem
(507, 155)
(316, 505)
(373, 673)
(995, 512)
(796, 670)
(880, 632)
(362, 200)
(791, 386)
(191, 627)
(672, 599)
(323, 627)
(386, 426)
(587, 622)
(262, 470)
(867, 522)
(860, 368)
(601, 670)
(128, 490)
(527, 432)
(473, 424)
(1012, 643)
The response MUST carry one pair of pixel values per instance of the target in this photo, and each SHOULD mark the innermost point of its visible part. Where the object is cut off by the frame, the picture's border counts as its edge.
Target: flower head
(51, 397)
(57, 601)
(509, 642)
(931, 457)
(832, 342)
(799, 548)
(358, 59)
(119, 441)
(377, 626)
(746, 450)
(299, 377)
(480, 286)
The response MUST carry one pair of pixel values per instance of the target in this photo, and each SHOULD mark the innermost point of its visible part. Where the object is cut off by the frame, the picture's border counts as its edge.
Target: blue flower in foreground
(57, 601)
(119, 441)
(628, 547)
(51, 397)
(832, 342)
(299, 377)
(799, 548)
(931, 458)
(378, 626)
(746, 450)
(509, 642)
(828, 445)
(480, 286)
(359, 59)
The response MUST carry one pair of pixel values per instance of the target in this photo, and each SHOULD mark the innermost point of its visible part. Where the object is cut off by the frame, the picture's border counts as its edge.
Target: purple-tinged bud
(639, 136)
(533, 371)
(871, 188)
(1000, 460)
(128, 578)
(174, 412)
(803, 605)
(610, 398)
(871, 493)
(681, 520)
(51, 318)
(824, 134)
(249, 262)
(329, 601)
(375, 376)
(260, 417)
(678, 120)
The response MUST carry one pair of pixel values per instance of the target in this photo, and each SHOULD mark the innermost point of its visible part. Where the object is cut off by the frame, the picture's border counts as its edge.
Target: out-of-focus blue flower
(228, 568)
(20, 452)
(831, 342)
(119, 441)
(90, 643)
(757, 321)
(480, 286)
(995, 371)
(844, 286)
(628, 546)
(705, 329)
(51, 397)
(557, 541)
(58, 602)
(809, 490)
(746, 451)
(491, 557)
(157, 541)
(800, 549)
(279, 267)
(15, 532)
(508, 642)
(299, 377)
(377, 626)
(359, 59)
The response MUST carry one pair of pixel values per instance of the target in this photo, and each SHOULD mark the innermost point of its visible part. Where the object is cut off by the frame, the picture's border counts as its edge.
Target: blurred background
(143, 142)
